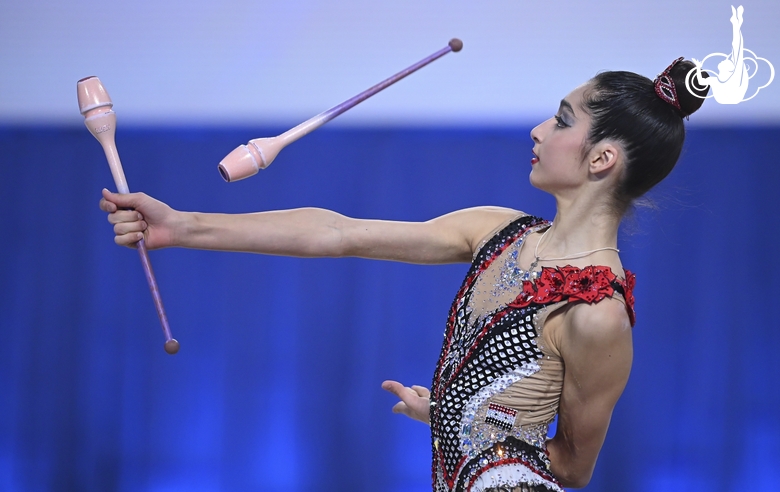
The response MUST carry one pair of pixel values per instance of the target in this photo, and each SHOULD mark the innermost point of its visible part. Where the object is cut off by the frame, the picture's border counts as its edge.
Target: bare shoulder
(478, 223)
(481, 214)
(599, 325)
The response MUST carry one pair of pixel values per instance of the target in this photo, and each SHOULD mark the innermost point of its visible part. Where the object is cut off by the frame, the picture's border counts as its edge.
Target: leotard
(498, 380)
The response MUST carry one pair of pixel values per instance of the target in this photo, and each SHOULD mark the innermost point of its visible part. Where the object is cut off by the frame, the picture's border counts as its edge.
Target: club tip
(223, 172)
(456, 44)
(92, 95)
(172, 346)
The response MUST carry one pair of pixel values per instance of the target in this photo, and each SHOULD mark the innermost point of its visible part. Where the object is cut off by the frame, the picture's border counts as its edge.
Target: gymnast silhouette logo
(730, 83)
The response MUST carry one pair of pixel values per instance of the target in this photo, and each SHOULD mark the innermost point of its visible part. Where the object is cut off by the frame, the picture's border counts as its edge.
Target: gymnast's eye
(561, 123)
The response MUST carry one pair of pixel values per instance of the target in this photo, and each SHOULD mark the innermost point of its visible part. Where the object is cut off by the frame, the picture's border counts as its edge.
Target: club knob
(172, 346)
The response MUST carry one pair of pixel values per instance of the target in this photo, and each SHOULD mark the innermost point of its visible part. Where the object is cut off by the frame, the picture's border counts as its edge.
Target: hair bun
(689, 103)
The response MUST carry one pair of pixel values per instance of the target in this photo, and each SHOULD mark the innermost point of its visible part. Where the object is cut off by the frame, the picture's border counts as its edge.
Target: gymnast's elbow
(326, 239)
(570, 475)
(333, 243)
(576, 480)
(573, 469)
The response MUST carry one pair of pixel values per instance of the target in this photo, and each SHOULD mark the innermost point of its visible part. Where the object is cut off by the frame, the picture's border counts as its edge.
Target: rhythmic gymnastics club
(95, 104)
(247, 160)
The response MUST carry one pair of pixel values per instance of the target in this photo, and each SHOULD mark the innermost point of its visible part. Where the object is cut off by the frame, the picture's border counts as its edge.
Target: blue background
(277, 384)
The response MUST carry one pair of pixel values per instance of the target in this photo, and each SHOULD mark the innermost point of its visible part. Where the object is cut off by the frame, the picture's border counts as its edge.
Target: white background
(257, 62)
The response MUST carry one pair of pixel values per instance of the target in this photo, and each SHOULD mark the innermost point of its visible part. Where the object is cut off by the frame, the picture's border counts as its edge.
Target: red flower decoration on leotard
(629, 295)
(590, 284)
(526, 296)
(549, 286)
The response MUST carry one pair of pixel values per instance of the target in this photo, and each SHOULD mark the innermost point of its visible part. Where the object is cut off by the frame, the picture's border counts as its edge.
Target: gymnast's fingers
(395, 388)
(107, 206)
(422, 391)
(407, 395)
(130, 239)
(401, 407)
(123, 228)
(124, 216)
(124, 200)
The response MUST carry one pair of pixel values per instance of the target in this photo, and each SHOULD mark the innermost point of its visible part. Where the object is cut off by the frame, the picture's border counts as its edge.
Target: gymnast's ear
(603, 156)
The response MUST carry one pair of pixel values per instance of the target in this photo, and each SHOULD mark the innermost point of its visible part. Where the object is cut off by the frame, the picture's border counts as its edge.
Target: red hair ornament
(665, 88)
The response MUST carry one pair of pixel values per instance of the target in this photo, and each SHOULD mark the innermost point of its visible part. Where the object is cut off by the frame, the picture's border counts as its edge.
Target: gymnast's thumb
(124, 200)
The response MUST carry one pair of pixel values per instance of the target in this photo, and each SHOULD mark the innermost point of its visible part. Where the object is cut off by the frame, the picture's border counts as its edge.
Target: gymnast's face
(559, 162)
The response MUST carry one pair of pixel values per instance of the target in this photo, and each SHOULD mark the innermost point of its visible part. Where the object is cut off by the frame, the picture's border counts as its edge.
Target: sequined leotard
(497, 384)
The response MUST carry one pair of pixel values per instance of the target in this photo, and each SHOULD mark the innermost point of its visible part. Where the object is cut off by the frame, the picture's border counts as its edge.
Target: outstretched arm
(595, 343)
(306, 232)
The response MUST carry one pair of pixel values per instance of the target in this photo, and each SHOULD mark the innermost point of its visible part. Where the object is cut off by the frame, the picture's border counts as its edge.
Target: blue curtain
(277, 384)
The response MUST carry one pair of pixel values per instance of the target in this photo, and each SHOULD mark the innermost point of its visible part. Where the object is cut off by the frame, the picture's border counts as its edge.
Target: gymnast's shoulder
(600, 324)
(479, 224)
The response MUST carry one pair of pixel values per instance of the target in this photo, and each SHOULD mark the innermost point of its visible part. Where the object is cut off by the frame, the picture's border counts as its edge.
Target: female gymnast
(539, 296)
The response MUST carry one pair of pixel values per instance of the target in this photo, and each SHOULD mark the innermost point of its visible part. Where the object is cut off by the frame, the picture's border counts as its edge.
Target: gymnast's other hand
(415, 401)
(136, 216)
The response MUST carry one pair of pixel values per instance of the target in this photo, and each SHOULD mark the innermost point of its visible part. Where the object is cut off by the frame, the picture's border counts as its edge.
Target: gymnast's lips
(535, 158)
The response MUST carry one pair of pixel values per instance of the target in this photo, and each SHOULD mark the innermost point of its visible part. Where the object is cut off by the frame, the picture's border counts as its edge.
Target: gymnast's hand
(136, 216)
(415, 401)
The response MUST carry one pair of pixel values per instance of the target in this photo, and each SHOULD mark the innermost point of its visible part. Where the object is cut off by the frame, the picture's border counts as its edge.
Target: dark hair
(625, 107)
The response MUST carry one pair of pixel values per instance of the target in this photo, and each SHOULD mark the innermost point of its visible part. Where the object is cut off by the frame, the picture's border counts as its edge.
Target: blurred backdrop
(277, 384)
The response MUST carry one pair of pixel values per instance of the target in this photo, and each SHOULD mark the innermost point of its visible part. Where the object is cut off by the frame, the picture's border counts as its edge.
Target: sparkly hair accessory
(664, 86)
